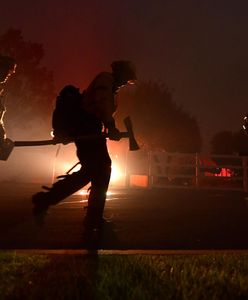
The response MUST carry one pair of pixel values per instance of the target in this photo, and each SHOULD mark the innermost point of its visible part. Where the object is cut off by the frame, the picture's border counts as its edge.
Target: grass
(120, 277)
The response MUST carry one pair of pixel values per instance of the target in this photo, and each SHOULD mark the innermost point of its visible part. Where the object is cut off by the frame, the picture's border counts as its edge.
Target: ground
(136, 219)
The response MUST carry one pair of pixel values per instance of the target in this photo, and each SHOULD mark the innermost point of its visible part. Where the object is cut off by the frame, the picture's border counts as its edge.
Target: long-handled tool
(8, 145)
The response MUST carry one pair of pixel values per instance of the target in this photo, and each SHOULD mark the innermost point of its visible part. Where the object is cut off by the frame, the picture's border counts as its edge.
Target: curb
(126, 252)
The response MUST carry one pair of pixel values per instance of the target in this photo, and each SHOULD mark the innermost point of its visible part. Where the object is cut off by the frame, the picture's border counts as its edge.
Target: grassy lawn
(136, 277)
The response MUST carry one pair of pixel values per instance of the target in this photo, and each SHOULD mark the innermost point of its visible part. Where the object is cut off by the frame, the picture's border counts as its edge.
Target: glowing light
(139, 180)
(225, 172)
(116, 174)
(67, 166)
(84, 199)
(85, 192)
(131, 82)
(82, 192)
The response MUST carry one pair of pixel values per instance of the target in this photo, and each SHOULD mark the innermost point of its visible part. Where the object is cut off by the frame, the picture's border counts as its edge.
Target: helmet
(7, 67)
(124, 70)
(69, 90)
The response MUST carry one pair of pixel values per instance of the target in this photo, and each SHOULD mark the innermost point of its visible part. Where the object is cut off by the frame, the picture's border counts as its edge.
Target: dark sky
(198, 48)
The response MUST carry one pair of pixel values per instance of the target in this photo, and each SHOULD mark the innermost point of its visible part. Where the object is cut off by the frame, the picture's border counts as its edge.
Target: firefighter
(7, 68)
(97, 110)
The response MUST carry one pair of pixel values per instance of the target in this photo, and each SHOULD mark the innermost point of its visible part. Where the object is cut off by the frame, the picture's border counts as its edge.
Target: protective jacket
(99, 99)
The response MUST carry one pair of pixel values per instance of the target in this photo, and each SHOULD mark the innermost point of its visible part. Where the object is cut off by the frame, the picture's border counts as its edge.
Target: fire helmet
(7, 67)
(124, 70)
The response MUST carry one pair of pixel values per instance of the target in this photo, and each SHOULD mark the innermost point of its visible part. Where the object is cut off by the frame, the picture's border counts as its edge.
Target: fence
(163, 169)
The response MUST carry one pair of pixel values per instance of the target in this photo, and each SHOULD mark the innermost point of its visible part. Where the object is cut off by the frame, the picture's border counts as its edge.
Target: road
(179, 219)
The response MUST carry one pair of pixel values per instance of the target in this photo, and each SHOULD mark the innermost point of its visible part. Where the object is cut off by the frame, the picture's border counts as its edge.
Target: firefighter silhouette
(7, 68)
(95, 114)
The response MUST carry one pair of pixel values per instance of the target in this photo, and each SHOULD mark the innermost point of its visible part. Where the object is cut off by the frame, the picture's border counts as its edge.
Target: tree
(30, 92)
(240, 142)
(159, 122)
(227, 142)
(222, 143)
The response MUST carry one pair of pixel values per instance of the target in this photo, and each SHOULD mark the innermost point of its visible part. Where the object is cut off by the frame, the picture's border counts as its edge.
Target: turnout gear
(7, 68)
(95, 109)
(67, 113)
(124, 72)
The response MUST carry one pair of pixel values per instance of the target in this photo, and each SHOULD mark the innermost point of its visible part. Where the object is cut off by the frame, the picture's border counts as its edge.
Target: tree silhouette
(159, 122)
(227, 142)
(30, 92)
(222, 143)
(240, 142)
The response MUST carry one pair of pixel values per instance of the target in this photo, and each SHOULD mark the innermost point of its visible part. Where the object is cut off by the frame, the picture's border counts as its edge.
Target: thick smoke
(36, 164)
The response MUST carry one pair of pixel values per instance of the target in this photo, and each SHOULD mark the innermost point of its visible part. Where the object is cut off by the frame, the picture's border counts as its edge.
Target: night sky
(199, 49)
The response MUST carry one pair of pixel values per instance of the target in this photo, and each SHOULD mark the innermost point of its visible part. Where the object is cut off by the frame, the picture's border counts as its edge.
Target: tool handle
(34, 143)
(54, 142)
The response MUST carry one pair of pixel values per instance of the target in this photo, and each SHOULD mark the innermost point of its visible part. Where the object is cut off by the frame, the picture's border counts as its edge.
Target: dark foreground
(125, 277)
(137, 219)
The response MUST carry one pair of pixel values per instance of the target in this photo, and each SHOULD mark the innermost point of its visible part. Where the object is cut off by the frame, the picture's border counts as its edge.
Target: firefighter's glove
(114, 134)
(66, 140)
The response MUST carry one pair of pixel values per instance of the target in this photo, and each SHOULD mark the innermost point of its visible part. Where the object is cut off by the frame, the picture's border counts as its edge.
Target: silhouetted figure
(94, 114)
(7, 68)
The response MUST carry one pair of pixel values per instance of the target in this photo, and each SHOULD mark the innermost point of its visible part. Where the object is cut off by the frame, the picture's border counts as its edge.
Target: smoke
(35, 164)
(42, 164)
(28, 165)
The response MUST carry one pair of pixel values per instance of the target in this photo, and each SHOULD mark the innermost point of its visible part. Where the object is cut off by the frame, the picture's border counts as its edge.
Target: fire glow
(84, 193)
(117, 174)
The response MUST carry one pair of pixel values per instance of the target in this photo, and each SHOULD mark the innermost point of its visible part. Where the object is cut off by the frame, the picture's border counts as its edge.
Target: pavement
(145, 219)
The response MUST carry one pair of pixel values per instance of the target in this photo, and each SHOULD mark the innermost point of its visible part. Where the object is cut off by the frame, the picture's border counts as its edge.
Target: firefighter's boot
(59, 191)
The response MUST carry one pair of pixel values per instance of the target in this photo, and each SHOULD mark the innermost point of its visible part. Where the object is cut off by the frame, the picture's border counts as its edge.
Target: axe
(8, 145)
